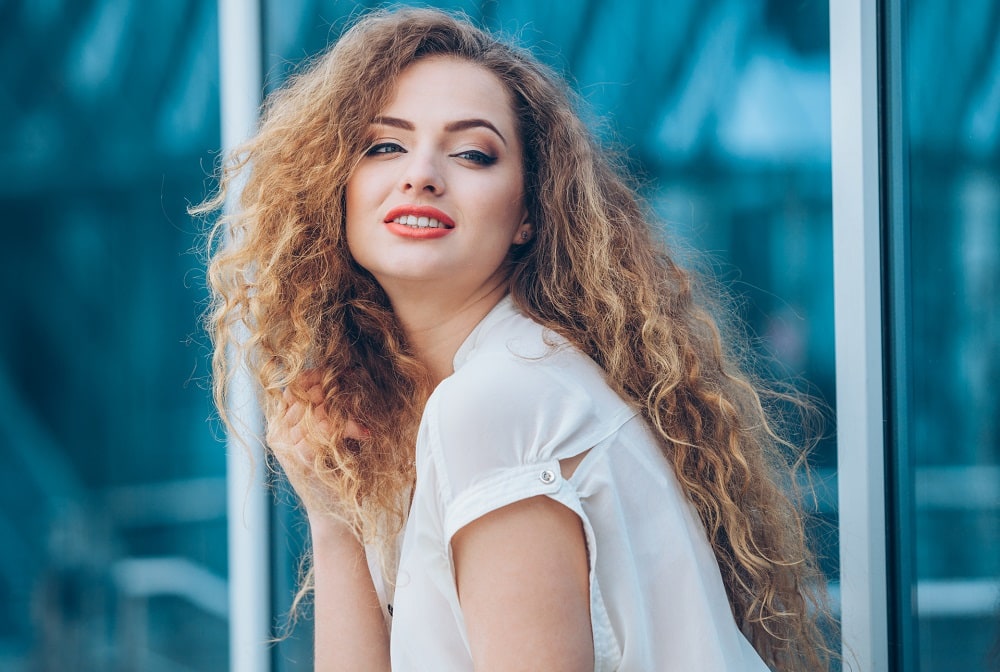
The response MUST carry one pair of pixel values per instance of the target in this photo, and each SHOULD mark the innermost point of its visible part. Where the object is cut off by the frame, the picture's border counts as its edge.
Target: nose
(422, 175)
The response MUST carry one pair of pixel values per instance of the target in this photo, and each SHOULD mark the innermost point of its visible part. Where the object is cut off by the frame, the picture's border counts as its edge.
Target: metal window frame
(248, 504)
(903, 589)
(858, 314)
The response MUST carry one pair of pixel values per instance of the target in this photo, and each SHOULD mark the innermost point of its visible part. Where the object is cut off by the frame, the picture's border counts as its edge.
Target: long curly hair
(288, 297)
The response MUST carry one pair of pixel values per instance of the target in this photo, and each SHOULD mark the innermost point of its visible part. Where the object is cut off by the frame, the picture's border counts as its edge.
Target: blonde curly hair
(288, 297)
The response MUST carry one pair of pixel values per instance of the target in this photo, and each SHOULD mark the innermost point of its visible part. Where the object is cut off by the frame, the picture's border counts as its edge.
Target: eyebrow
(450, 127)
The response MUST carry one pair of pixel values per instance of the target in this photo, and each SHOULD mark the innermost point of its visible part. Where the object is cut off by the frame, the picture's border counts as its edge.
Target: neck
(436, 326)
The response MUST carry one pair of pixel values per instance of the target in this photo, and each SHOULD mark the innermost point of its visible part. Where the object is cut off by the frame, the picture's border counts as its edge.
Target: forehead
(452, 88)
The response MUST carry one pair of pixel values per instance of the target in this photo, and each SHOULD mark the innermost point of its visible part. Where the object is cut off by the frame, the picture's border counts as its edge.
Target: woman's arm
(350, 633)
(523, 583)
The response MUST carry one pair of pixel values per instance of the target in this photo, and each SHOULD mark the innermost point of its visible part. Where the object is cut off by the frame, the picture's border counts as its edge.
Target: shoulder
(521, 396)
(495, 377)
(502, 405)
(510, 354)
(513, 382)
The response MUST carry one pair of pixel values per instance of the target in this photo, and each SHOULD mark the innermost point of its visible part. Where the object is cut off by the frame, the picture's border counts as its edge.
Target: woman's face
(438, 198)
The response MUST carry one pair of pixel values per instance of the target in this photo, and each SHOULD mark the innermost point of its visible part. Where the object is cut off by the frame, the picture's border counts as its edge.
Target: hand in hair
(301, 426)
(349, 631)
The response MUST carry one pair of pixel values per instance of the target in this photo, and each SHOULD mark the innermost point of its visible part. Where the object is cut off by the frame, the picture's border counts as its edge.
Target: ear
(524, 233)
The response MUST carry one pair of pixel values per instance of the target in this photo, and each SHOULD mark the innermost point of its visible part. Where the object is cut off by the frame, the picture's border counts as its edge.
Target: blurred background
(112, 487)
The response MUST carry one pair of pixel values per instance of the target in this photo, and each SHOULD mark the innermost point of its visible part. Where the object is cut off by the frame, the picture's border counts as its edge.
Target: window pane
(112, 489)
(946, 331)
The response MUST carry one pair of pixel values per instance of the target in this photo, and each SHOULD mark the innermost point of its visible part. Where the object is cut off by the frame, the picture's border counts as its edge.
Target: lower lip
(417, 233)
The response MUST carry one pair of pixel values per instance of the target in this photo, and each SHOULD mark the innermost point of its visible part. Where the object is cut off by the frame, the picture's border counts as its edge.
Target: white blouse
(521, 399)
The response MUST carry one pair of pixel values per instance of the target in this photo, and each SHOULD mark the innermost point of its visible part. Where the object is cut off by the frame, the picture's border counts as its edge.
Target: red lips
(420, 211)
(418, 233)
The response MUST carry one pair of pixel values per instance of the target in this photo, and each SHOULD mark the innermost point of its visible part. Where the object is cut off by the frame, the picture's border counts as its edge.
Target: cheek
(504, 199)
(353, 215)
(357, 201)
(352, 199)
(360, 187)
(357, 245)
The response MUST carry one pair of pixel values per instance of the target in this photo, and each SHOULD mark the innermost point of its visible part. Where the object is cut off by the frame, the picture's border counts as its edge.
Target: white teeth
(419, 222)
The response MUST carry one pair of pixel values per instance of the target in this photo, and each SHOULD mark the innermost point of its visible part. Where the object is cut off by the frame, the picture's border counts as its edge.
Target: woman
(519, 440)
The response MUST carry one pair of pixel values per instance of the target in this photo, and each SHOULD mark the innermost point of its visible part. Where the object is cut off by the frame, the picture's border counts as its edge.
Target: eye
(382, 148)
(476, 156)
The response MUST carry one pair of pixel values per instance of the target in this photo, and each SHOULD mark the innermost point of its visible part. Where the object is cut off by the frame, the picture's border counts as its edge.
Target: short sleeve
(504, 413)
(498, 429)
(500, 441)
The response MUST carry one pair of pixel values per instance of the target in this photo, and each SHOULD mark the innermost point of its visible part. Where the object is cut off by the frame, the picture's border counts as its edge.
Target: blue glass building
(835, 165)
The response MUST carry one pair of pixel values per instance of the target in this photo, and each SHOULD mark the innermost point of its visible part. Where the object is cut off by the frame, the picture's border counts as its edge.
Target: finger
(296, 438)
(293, 414)
(293, 451)
(309, 378)
(288, 397)
(353, 430)
(315, 394)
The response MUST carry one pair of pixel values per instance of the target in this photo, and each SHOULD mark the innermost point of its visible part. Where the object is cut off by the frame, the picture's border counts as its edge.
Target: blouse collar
(504, 308)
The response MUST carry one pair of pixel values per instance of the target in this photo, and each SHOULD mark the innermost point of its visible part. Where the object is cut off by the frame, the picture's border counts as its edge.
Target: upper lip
(419, 211)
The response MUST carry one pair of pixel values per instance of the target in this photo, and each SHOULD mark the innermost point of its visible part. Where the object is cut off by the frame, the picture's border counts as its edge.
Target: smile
(419, 217)
(420, 222)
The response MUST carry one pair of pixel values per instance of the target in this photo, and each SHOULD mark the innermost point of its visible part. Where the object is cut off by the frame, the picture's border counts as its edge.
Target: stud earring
(525, 236)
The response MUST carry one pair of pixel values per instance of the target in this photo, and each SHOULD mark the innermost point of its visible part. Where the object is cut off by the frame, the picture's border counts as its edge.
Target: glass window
(943, 263)
(112, 489)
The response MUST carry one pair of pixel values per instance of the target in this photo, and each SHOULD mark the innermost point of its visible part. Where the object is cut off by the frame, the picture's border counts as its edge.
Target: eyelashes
(384, 148)
(474, 156)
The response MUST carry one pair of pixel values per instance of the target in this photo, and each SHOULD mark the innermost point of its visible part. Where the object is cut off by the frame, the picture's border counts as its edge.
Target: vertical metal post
(904, 647)
(858, 316)
(248, 506)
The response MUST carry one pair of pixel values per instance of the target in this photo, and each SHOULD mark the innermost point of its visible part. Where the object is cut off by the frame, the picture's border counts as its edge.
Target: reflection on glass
(112, 492)
(951, 125)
